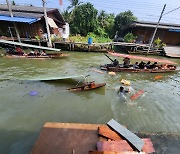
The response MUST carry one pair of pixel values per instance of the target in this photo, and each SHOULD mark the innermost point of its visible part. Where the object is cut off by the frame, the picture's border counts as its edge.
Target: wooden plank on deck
(128, 135)
(108, 133)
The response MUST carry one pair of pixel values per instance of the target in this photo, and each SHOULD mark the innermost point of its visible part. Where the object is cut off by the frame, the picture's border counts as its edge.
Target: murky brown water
(22, 116)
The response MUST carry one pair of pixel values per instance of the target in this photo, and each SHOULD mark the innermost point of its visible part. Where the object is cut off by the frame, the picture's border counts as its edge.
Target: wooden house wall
(25, 30)
(145, 33)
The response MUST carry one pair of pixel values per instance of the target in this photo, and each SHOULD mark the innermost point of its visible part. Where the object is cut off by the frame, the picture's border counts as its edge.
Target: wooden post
(47, 26)
(11, 14)
(156, 29)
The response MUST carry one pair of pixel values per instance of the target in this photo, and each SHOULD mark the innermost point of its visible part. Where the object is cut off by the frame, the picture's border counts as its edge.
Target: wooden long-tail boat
(119, 68)
(47, 56)
(87, 86)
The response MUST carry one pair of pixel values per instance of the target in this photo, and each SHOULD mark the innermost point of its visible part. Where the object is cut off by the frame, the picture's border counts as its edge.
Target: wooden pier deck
(67, 138)
(172, 51)
(76, 138)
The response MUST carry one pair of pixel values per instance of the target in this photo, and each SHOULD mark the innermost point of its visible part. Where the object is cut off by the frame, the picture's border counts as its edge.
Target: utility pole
(11, 14)
(152, 39)
(47, 26)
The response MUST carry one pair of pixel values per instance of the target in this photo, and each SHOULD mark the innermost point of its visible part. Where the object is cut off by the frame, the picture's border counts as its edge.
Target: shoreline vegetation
(85, 22)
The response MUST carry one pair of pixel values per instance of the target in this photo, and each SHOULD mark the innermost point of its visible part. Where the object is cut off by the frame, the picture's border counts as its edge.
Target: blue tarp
(174, 30)
(18, 19)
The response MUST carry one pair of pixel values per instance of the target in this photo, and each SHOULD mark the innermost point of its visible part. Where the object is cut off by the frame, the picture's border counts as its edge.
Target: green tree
(129, 37)
(110, 25)
(67, 16)
(74, 4)
(122, 20)
(105, 24)
(13, 2)
(84, 19)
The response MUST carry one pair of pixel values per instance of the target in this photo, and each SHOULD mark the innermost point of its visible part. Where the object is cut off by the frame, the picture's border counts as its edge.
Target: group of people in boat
(141, 65)
(19, 52)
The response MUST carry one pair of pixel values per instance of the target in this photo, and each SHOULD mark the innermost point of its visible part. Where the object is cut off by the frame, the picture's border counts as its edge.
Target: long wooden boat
(48, 56)
(88, 86)
(169, 68)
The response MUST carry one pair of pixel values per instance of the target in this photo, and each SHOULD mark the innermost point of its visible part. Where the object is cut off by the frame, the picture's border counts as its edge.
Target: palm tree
(74, 4)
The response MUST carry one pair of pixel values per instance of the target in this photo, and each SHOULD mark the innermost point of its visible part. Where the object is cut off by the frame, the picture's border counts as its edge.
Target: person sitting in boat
(154, 66)
(19, 51)
(115, 62)
(147, 65)
(91, 84)
(122, 91)
(126, 62)
(165, 66)
(31, 53)
(43, 53)
(142, 65)
(135, 66)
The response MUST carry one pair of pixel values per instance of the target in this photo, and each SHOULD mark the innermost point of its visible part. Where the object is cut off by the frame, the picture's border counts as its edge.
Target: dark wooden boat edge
(85, 87)
(132, 70)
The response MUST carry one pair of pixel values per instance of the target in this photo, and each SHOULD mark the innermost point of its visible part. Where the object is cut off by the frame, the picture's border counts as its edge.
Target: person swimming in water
(122, 91)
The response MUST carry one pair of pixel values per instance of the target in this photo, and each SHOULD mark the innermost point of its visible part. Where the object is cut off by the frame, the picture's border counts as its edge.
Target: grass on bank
(95, 38)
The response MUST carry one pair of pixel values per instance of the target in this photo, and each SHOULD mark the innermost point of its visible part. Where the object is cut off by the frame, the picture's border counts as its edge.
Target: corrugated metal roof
(18, 19)
(30, 9)
(22, 14)
(153, 25)
(30, 12)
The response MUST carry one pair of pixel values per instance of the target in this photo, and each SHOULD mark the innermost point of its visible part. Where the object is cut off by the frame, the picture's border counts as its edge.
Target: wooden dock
(76, 138)
(172, 51)
(66, 138)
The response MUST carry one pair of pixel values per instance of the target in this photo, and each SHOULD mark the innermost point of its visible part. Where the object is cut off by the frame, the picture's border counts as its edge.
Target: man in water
(122, 91)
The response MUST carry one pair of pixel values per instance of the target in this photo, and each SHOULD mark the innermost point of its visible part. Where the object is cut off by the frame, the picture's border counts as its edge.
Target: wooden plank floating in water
(136, 95)
(128, 135)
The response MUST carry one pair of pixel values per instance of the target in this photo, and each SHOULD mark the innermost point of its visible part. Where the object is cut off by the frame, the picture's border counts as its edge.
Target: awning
(18, 19)
(51, 23)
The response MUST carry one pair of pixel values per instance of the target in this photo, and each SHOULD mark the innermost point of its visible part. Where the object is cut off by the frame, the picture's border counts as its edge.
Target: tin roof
(153, 25)
(29, 12)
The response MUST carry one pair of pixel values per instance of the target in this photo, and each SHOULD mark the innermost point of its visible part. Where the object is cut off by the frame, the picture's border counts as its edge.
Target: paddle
(109, 57)
(136, 95)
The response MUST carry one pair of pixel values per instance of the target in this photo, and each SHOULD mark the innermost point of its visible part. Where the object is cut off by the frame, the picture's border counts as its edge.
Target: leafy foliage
(158, 43)
(84, 19)
(67, 16)
(84, 39)
(129, 37)
(74, 4)
(122, 20)
(13, 2)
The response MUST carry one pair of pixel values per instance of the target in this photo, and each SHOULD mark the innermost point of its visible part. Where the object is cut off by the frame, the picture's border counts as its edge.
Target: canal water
(22, 115)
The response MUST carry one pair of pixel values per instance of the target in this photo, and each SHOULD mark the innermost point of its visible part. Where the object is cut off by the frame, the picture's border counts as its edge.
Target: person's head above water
(121, 89)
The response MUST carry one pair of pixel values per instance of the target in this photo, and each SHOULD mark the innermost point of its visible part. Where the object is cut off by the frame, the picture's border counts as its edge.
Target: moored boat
(119, 68)
(87, 86)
